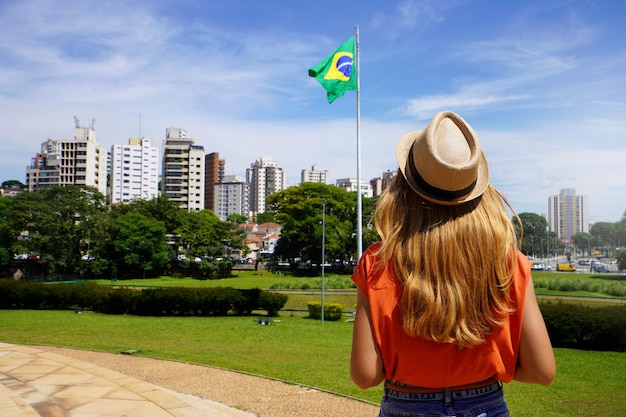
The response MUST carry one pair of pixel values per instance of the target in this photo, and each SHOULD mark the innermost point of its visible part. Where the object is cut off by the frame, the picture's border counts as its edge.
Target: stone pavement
(36, 383)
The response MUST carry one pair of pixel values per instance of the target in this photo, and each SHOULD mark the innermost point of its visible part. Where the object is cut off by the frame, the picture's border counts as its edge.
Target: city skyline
(144, 163)
(542, 84)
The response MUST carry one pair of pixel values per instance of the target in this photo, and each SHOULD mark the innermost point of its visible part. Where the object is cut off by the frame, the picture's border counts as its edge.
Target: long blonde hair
(455, 262)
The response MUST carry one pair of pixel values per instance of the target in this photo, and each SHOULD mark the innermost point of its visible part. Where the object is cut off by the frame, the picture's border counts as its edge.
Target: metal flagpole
(359, 204)
(323, 251)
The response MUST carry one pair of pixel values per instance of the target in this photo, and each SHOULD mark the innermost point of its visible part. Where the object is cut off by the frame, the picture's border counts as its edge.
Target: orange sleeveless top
(424, 363)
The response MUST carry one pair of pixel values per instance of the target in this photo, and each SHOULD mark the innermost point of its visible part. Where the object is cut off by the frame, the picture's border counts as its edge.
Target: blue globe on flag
(344, 65)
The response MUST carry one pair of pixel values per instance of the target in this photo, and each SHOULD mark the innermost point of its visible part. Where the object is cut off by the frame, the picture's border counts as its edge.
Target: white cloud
(542, 84)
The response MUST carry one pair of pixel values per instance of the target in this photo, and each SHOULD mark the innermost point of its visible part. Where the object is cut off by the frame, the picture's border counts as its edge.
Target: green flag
(337, 72)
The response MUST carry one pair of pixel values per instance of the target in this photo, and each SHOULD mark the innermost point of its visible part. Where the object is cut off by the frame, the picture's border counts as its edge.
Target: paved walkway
(36, 383)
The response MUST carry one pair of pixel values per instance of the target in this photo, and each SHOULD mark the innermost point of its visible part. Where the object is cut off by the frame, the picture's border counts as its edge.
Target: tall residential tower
(265, 178)
(213, 174)
(78, 161)
(182, 174)
(568, 213)
(134, 171)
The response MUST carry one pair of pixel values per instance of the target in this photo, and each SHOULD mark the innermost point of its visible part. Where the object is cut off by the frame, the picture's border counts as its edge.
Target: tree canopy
(299, 210)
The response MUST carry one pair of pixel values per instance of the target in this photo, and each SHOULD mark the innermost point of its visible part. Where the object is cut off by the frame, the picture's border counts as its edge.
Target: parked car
(599, 267)
(541, 267)
(583, 262)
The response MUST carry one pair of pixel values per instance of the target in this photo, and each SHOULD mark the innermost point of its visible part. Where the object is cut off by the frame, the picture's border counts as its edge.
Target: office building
(568, 214)
(232, 196)
(315, 175)
(134, 171)
(78, 161)
(182, 174)
(265, 178)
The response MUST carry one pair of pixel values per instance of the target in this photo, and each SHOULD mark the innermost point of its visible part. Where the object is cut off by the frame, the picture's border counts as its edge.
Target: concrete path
(36, 383)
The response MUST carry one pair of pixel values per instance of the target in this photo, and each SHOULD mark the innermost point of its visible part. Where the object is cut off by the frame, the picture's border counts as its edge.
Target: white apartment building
(349, 184)
(315, 175)
(182, 174)
(232, 196)
(568, 213)
(78, 161)
(134, 171)
(265, 178)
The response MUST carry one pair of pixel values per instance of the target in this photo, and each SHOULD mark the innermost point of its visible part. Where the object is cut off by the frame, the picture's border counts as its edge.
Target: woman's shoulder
(373, 249)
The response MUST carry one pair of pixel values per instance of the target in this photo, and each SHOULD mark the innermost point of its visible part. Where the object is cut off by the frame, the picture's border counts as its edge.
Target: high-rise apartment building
(182, 174)
(78, 161)
(315, 175)
(134, 171)
(349, 184)
(568, 213)
(213, 174)
(265, 178)
(232, 196)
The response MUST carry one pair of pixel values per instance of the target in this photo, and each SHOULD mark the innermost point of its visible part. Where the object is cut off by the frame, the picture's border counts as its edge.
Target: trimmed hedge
(584, 327)
(219, 301)
(332, 311)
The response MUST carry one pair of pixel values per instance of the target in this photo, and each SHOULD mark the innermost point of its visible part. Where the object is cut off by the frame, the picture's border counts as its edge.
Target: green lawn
(304, 351)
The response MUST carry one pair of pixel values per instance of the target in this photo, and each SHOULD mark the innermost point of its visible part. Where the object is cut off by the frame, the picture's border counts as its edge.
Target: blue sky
(543, 83)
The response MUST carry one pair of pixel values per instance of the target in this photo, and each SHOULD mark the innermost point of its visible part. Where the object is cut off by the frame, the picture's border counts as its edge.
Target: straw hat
(444, 162)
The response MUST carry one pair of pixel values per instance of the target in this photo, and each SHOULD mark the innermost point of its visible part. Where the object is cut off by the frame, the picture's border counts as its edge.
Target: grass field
(300, 350)
(304, 351)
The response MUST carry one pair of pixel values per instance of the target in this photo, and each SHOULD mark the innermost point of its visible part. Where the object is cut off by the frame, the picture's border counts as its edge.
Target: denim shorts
(486, 401)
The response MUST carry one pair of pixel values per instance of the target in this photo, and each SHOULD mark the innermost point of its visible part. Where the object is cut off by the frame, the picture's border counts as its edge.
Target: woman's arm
(366, 364)
(535, 363)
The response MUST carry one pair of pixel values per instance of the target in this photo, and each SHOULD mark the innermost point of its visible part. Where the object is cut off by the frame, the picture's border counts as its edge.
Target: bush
(584, 327)
(332, 311)
(219, 301)
(272, 302)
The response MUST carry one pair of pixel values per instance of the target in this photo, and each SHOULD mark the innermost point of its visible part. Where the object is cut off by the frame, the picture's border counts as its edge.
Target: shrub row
(337, 283)
(220, 301)
(605, 285)
(332, 311)
(584, 327)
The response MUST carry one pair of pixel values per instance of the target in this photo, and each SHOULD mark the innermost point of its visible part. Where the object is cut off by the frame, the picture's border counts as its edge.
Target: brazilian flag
(337, 72)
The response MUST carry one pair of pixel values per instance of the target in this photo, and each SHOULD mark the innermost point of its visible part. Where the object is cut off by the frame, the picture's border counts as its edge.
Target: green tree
(584, 242)
(620, 232)
(604, 232)
(621, 259)
(535, 232)
(55, 223)
(138, 244)
(265, 217)
(7, 235)
(13, 184)
(237, 218)
(204, 234)
(370, 235)
(159, 208)
(299, 212)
